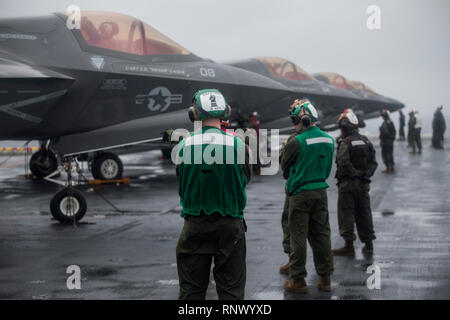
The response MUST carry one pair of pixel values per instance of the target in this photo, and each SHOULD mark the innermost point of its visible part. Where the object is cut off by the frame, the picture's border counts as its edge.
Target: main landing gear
(106, 166)
(43, 162)
(69, 204)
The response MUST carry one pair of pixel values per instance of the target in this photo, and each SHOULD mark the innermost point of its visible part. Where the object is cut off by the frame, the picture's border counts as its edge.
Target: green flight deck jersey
(313, 150)
(212, 173)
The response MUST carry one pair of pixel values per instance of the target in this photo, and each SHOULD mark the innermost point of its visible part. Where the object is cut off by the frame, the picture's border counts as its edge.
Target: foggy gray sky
(408, 59)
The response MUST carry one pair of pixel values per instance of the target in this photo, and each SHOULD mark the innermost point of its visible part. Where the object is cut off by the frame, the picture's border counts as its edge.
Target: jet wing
(27, 95)
(125, 134)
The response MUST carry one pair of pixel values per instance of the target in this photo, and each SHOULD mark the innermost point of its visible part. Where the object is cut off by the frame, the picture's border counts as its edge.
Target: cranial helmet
(303, 111)
(348, 118)
(385, 113)
(209, 103)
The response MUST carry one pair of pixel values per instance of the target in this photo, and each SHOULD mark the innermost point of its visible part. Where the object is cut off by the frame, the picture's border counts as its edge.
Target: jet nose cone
(394, 105)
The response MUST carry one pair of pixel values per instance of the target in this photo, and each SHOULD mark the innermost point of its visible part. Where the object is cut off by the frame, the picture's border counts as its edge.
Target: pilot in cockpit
(101, 37)
(107, 30)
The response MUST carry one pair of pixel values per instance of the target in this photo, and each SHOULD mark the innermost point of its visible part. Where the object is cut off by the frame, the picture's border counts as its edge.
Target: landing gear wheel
(42, 163)
(167, 149)
(107, 166)
(68, 205)
(167, 152)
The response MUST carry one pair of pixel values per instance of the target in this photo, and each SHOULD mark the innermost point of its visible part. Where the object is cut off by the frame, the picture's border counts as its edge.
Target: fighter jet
(113, 82)
(329, 100)
(370, 100)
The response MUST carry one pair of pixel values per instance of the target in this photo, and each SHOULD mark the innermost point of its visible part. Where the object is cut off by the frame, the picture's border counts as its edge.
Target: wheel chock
(115, 181)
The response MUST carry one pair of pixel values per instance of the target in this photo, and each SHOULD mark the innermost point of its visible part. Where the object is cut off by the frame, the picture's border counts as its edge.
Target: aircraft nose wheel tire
(167, 152)
(107, 166)
(68, 205)
(43, 163)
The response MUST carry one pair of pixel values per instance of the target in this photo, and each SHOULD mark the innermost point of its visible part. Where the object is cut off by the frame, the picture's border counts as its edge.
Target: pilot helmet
(209, 103)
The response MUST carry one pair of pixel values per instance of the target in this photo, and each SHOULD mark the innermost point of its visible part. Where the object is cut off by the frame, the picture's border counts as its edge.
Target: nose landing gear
(69, 204)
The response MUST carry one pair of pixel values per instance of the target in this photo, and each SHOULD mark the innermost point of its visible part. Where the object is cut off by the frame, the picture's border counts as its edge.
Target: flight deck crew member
(387, 137)
(284, 269)
(308, 160)
(254, 123)
(355, 164)
(212, 172)
(401, 123)
(411, 125)
(438, 125)
(416, 140)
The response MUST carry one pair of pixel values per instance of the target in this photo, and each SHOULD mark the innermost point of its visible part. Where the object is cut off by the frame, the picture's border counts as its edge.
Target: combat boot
(324, 284)
(285, 269)
(296, 286)
(368, 248)
(346, 251)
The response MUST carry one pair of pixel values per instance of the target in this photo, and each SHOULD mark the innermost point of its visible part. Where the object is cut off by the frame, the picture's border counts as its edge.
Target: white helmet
(350, 117)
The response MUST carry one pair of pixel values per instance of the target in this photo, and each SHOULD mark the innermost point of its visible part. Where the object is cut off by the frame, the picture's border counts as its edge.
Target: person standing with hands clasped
(212, 170)
(307, 161)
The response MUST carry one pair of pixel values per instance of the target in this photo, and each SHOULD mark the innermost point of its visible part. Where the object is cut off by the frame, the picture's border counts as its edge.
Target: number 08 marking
(207, 72)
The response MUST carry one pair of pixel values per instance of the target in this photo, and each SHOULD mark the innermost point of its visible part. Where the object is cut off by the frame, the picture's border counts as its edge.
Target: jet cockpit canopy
(122, 33)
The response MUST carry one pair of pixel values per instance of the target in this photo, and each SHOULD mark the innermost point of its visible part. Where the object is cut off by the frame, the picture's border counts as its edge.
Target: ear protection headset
(306, 120)
(293, 114)
(192, 114)
(197, 113)
(296, 117)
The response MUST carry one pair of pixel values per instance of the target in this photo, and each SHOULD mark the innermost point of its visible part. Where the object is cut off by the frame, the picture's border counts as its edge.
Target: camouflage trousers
(207, 238)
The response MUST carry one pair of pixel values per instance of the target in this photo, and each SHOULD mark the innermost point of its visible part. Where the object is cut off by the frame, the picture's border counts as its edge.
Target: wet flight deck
(125, 245)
